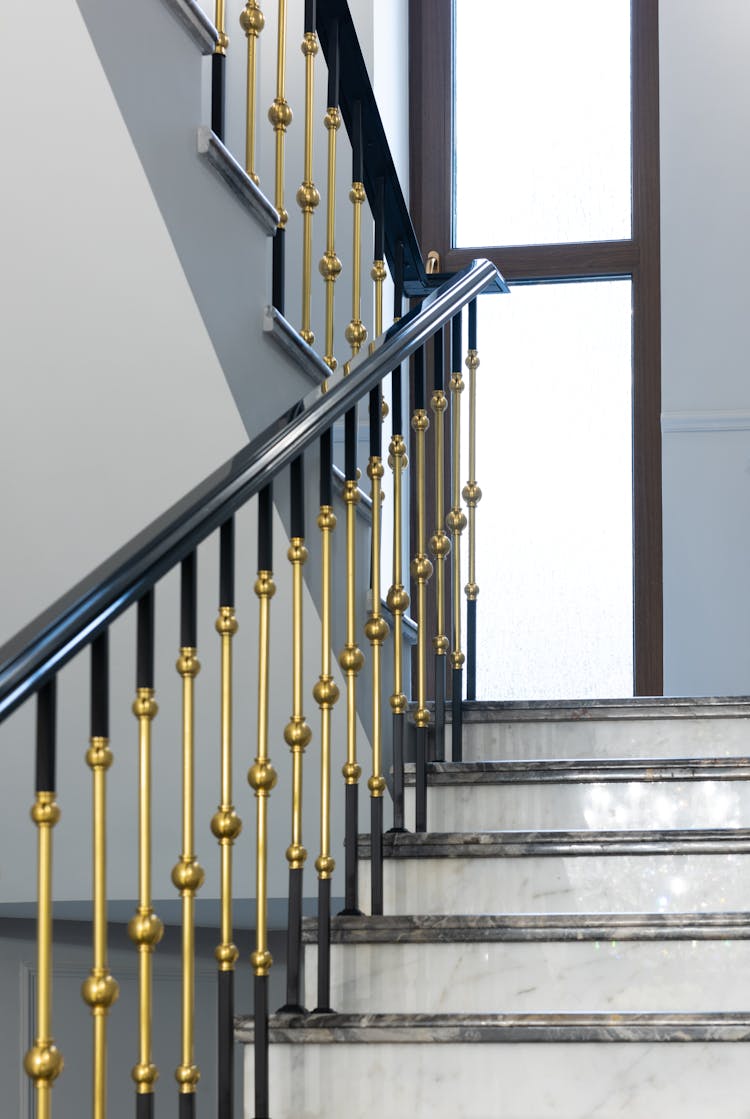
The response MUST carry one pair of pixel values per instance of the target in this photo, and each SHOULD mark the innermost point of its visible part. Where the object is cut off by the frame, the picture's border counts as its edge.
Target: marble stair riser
(563, 884)
(518, 1081)
(533, 977)
(597, 805)
(611, 738)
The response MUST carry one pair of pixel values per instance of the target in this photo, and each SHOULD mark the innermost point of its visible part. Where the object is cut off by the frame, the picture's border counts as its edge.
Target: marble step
(584, 793)
(440, 1066)
(561, 872)
(490, 963)
(645, 728)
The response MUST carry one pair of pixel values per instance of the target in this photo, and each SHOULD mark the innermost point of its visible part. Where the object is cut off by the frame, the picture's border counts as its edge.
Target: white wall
(705, 243)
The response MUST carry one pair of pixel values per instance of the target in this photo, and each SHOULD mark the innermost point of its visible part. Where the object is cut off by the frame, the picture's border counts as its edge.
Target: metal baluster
(421, 570)
(440, 545)
(472, 495)
(308, 196)
(280, 116)
(218, 71)
(252, 22)
(330, 265)
(456, 523)
(356, 333)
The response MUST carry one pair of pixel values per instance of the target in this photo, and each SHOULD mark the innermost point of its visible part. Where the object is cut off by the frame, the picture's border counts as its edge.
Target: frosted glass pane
(542, 121)
(554, 526)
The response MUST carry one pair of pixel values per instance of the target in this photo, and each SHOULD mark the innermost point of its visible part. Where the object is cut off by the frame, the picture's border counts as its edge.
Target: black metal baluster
(439, 546)
(376, 630)
(456, 523)
(421, 571)
(472, 495)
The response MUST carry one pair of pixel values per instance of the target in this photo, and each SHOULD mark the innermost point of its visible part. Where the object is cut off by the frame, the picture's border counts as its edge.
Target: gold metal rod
(262, 776)
(223, 41)
(378, 275)
(330, 265)
(376, 628)
(226, 824)
(325, 694)
(308, 197)
(252, 22)
(188, 874)
(421, 568)
(397, 599)
(279, 114)
(471, 493)
(145, 929)
(351, 659)
(99, 990)
(356, 334)
(456, 519)
(297, 733)
(43, 1063)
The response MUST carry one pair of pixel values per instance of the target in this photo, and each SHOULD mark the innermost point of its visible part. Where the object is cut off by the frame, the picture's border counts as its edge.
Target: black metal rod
(457, 751)
(100, 686)
(398, 772)
(376, 856)
(333, 66)
(326, 468)
(324, 947)
(358, 172)
(189, 602)
(351, 815)
(218, 90)
(293, 1004)
(397, 425)
(278, 278)
(473, 325)
(297, 496)
(419, 385)
(144, 1106)
(376, 422)
(471, 649)
(309, 16)
(420, 794)
(226, 563)
(438, 367)
(46, 737)
(265, 528)
(225, 1059)
(260, 1046)
(186, 1107)
(438, 749)
(144, 672)
(379, 216)
(350, 445)
(398, 282)
(457, 352)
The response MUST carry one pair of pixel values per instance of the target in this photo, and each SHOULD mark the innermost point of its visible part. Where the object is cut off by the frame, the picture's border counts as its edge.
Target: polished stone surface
(195, 21)
(531, 977)
(519, 1081)
(563, 884)
(648, 801)
(250, 196)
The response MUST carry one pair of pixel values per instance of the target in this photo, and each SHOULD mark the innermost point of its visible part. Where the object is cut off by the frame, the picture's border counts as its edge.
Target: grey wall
(705, 180)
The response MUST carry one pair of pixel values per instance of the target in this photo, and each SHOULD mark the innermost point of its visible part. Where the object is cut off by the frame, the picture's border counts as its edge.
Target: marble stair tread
(580, 710)
(326, 1029)
(519, 927)
(513, 844)
(560, 770)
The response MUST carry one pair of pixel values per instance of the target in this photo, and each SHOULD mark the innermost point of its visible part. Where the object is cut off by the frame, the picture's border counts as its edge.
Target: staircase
(569, 938)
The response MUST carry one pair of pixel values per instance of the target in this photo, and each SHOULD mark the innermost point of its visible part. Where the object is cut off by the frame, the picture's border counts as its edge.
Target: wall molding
(674, 423)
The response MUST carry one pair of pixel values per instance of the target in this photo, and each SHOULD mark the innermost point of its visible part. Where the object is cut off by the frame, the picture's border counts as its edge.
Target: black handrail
(41, 648)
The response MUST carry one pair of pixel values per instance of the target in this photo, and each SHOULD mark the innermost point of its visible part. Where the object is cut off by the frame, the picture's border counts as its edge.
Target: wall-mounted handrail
(41, 648)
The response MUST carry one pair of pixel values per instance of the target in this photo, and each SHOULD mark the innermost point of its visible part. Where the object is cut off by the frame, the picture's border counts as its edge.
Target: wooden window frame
(638, 258)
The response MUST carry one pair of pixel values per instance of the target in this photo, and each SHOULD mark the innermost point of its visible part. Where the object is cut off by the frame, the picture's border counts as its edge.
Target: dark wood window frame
(431, 140)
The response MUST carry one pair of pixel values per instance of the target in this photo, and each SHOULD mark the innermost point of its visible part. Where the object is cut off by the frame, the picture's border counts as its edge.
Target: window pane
(542, 121)
(554, 526)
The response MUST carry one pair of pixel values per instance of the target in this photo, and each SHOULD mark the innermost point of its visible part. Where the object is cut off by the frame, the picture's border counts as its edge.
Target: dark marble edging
(589, 710)
(584, 770)
(194, 20)
(489, 928)
(250, 196)
(281, 332)
(386, 1029)
(513, 844)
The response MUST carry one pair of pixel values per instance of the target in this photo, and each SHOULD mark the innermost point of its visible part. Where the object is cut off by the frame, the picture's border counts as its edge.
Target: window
(558, 68)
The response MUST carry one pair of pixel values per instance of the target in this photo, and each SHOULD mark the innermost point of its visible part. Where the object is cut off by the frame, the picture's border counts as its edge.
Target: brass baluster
(297, 735)
(472, 495)
(100, 990)
(325, 694)
(308, 196)
(218, 75)
(43, 1063)
(440, 546)
(145, 928)
(356, 334)
(252, 22)
(330, 265)
(378, 273)
(421, 571)
(456, 523)
(262, 779)
(226, 827)
(280, 116)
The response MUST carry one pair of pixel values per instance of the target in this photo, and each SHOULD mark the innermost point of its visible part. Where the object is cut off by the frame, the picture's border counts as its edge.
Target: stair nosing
(505, 844)
(533, 771)
(518, 928)
(236, 179)
(606, 710)
(487, 1028)
(195, 22)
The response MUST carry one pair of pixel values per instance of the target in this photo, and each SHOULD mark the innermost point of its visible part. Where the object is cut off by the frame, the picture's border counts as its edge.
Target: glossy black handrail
(41, 648)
